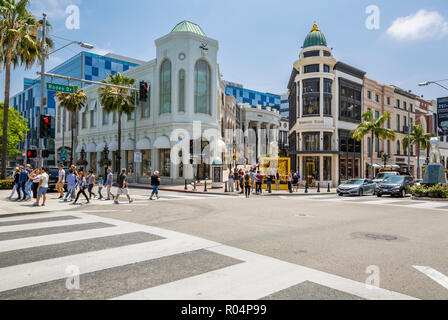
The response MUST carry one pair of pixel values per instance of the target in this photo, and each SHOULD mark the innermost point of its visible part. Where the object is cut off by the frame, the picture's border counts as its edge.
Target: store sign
(400, 160)
(442, 115)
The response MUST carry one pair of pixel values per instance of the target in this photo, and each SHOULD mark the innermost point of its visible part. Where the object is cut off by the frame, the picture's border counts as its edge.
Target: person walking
(297, 175)
(34, 176)
(252, 175)
(100, 187)
(122, 187)
(295, 182)
(82, 184)
(29, 183)
(269, 179)
(277, 181)
(241, 178)
(290, 182)
(236, 179)
(247, 184)
(91, 183)
(16, 184)
(42, 187)
(23, 178)
(155, 183)
(61, 181)
(230, 182)
(109, 183)
(71, 186)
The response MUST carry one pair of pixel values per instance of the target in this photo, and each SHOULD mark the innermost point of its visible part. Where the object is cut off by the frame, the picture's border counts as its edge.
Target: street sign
(63, 155)
(138, 157)
(60, 88)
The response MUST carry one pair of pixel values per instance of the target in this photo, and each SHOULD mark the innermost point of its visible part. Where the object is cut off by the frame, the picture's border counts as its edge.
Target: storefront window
(311, 105)
(93, 161)
(311, 169)
(165, 162)
(327, 105)
(327, 141)
(130, 162)
(311, 141)
(327, 169)
(145, 168)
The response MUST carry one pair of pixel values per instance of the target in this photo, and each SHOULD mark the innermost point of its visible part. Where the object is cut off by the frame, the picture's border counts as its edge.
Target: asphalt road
(270, 247)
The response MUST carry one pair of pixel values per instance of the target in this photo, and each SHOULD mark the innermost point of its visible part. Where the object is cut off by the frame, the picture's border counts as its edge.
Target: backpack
(246, 182)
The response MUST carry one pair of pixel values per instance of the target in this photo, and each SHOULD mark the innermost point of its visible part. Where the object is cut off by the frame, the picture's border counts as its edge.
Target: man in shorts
(61, 181)
(122, 187)
(42, 187)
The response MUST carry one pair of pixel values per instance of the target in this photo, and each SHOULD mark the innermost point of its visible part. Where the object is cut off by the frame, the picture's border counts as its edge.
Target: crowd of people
(34, 184)
(246, 182)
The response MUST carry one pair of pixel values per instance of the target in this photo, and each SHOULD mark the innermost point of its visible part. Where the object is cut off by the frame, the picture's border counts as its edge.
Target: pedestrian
(298, 181)
(29, 183)
(269, 183)
(16, 184)
(155, 183)
(247, 185)
(34, 176)
(42, 187)
(241, 179)
(23, 178)
(236, 179)
(295, 182)
(91, 183)
(100, 187)
(61, 181)
(109, 183)
(71, 186)
(258, 183)
(230, 182)
(82, 184)
(252, 175)
(277, 181)
(290, 182)
(122, 189)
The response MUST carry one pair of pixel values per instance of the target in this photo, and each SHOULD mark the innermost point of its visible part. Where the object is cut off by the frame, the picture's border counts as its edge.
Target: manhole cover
(381, 237)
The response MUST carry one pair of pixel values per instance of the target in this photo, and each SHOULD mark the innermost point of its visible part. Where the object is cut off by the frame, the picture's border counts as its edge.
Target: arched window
(165, 87)
(202, 88)
(182, 91)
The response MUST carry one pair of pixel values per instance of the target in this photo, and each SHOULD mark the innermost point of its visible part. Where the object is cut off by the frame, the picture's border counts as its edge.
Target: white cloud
(55, 9)
(421, 25)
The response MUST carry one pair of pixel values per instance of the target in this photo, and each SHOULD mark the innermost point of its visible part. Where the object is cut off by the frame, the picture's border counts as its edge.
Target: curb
(180, 190)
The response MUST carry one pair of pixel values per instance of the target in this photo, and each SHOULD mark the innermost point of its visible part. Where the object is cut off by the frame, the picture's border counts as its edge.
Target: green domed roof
(315, 38)
(187, 26)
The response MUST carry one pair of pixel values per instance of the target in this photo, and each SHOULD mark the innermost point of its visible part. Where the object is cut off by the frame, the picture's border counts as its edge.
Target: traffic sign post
(60, 88)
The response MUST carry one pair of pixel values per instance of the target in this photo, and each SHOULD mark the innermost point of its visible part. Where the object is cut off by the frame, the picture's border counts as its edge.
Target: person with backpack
(91, 183)
(82, 184)
(247, 184)
(295, 181)
(122, 187)
(258, 183)
(155, 182)
(241, 180)
(269, 183)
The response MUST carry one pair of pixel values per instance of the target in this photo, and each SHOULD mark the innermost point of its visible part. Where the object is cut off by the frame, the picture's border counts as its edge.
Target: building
(325, 102)
(251, 97)
(185, 87)
(85, 65)
(283, 143)
(284, 106)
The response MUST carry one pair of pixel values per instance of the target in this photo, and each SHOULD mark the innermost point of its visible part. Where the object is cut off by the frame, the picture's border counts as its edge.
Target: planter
(429, 199)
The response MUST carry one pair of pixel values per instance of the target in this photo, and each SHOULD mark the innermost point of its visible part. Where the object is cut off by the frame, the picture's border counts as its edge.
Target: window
(398, 103)
(93, 116)
(327, 141)
(327, 85)
(146, 108)
(369, 147)
(202, 88)
(369, 94)
(165, 162)
(405, 105)
(165, 87)
(388, 123)
(182, 91)
(398, 148)
(326, 68)
(105, 118)
(327, 169)
(311, 141)
(327, 54)
(350, 102)
(405, 124)
(388, 100)
(84, 120)
(327, 105)
(411, 108)
(115, 116)
(311, 86)
(377, 144)
(311, 68)
(398, 123)
(377, 98)
(377, 115)
(311, 105)
(314, 53)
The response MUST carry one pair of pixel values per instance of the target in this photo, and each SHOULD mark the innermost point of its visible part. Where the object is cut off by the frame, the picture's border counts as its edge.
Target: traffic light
(45, 126)
(31, 154)
(143, 91)
(45, 154)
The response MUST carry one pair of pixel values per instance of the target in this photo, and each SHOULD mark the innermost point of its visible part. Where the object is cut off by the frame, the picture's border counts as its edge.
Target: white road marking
(435, 275)
(25, 227)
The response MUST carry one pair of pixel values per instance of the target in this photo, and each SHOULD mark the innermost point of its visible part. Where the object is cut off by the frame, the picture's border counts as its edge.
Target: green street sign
(60, 88)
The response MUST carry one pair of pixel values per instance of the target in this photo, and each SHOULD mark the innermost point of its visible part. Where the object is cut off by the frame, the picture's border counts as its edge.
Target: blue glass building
(254, 98)
(85, 65)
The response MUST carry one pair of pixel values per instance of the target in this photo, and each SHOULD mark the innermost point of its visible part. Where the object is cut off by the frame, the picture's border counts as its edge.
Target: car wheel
(361, 192)
(379, 195)
(403, 193)
(340, 194)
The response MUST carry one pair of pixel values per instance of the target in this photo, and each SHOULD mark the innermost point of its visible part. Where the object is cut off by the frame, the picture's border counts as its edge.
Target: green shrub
(6, 184)
(438, 191)
(419, 191)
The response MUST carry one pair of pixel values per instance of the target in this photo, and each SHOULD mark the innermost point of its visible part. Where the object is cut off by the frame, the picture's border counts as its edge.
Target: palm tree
(374, 127)
(421, 140)
(117, 100)
(72, 102)
(18, 46)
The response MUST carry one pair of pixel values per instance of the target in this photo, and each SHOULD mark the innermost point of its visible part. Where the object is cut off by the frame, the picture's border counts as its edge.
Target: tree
(72, 102)
(374, 127)
(421, 140)
(117, 100)
(18, 46)
(17, 129)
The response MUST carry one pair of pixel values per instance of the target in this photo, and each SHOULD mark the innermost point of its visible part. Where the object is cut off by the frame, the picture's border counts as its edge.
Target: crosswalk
(75, 255)
(388, 201)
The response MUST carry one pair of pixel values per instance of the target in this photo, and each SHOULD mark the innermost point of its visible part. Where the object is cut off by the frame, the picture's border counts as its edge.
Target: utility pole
(409, 140)
(135, 134)
(42, 88)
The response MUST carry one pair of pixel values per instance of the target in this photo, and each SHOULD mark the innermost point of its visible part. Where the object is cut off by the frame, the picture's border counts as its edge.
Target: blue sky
(259, 40)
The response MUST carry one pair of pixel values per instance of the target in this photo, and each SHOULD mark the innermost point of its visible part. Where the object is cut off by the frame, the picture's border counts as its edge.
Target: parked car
(395, 186)
(380, 177)
(358, 187)
(53, 174)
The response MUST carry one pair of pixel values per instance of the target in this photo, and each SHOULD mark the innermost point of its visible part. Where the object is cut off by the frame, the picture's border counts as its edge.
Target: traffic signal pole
(42, 87)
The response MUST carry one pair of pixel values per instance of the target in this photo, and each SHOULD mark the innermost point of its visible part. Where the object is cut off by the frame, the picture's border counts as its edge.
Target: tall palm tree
(421, 140)
(18, 46)
(374, 127)
(72, 102)
(117, 100)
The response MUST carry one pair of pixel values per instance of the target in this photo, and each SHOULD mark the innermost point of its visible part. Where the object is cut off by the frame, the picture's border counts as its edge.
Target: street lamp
(42, 77)
(427, 83)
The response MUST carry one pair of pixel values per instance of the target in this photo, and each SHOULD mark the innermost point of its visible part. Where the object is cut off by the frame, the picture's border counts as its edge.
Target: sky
(403, 43)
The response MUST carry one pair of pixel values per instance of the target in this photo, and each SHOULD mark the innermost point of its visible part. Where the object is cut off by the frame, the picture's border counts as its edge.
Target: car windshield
(355, 181)
(394, 179)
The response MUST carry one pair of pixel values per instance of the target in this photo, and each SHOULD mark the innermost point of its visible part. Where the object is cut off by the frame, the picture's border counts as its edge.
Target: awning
(80, 147)
(162, 142)
(100, 147)
(128, 145)
(144, 144)
(113, 146)
(91, 147)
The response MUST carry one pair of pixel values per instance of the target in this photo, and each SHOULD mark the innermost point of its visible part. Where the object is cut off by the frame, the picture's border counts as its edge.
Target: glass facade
(165, 162)
(181, 91)
(202, 88)
(311, 141)
(165, 87)
(255, 98)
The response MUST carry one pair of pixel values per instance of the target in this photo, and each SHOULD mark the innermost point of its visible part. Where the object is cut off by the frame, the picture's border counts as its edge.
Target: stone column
(246, 139)
(258, 141)
(321, 169)
(268, 138)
